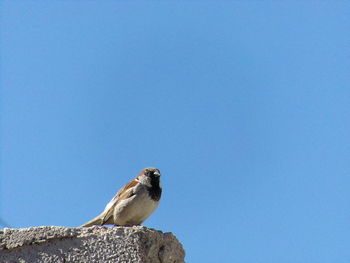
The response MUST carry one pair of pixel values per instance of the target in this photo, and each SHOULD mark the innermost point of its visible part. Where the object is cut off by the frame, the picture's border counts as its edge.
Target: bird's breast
(136, 209)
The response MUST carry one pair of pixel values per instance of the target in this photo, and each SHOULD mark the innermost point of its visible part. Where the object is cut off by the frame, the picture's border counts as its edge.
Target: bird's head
(149, 176)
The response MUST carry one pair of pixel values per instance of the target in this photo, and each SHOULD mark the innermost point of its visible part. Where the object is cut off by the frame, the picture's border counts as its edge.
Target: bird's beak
(156, 173)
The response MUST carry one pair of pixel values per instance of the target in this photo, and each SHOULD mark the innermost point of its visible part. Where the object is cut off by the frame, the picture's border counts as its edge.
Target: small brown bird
(134, 203)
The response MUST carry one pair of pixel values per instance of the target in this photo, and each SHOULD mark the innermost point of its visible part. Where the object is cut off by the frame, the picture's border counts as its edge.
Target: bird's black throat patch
(155, 191)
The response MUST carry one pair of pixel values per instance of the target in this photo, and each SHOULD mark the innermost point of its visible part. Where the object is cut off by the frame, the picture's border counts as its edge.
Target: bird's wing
(126, 192)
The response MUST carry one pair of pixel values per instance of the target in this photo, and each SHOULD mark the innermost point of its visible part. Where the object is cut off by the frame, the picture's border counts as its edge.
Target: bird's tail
(97, 221)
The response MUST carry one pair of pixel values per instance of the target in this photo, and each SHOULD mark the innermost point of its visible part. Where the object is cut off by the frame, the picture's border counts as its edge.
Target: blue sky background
(243, 105)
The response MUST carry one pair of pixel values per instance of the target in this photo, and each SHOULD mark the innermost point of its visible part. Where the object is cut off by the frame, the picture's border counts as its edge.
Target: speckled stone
(93, 244)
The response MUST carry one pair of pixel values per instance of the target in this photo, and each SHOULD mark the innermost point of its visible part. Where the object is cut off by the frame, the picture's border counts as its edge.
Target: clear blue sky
(244, 106)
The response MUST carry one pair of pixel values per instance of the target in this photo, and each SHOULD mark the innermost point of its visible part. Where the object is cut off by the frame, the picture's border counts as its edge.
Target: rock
(93, 244)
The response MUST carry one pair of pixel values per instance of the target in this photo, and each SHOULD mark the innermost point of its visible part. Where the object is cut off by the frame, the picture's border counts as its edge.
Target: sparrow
(133, 203)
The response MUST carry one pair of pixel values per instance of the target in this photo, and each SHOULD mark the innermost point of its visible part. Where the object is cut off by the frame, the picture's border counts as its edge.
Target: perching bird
(134, 202)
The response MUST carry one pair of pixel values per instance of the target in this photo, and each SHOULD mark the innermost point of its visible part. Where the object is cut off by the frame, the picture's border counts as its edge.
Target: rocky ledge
(93, 244)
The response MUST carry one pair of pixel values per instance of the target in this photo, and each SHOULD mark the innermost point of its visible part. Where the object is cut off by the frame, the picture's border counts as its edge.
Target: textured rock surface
(93, 244)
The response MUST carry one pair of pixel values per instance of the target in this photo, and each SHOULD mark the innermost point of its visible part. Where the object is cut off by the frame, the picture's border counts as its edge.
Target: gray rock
(93, 244)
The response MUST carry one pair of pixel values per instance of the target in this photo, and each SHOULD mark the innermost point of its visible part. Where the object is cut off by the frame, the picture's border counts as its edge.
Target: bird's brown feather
(126, 192)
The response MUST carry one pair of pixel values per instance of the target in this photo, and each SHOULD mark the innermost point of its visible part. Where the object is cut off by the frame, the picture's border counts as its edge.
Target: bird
(133, 203)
